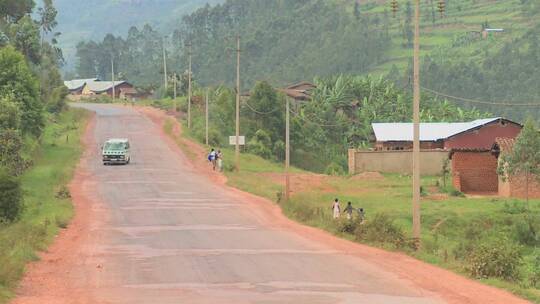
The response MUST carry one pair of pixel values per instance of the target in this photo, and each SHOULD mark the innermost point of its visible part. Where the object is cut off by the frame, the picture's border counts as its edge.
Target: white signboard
(241, 140)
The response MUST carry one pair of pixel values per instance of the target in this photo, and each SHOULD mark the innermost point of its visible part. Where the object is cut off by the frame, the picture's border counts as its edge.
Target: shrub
(497, 258)
(381, 229)
(456, 193)
(334, 169)
(515, 207)
(534, 278)
(63, 193)
(11, 198)
(61, 222)
(348, 226)
(527, 231)
(261, 145)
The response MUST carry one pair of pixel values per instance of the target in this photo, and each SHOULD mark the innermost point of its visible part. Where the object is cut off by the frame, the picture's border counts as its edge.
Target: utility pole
(174, 90)
(416, 127)
(237, 147)
(189, 86)
(206, 116)
(165, 80)
(287, 150)
(112, 78)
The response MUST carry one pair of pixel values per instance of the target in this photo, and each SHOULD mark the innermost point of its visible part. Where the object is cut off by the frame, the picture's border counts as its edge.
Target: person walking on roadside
(212, 158)
(220, 160)
(361, 214)
(336, 209)
(349, 210)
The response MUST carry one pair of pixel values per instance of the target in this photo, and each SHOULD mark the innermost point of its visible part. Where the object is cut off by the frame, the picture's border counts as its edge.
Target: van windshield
(115, 146)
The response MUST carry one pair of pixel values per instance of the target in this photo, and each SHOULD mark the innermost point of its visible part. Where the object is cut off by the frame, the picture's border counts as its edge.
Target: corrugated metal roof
(76, 84)
(432, 131)
(102, 86)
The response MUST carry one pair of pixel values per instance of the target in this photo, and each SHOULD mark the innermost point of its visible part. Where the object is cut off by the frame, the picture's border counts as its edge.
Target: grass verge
(47, 206)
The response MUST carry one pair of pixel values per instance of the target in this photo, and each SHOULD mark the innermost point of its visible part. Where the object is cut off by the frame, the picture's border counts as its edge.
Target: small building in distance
(300, 91)
(477, 134)
(76, 86)
(122, 89)
(491, 31)
(80, 88)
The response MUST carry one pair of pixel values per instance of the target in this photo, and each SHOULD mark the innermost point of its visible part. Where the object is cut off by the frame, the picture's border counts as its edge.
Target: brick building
(478, 134)
(515, 186)
(475, 170)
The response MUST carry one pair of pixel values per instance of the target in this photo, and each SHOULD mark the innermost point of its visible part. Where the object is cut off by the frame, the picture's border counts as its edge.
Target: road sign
(241, 140)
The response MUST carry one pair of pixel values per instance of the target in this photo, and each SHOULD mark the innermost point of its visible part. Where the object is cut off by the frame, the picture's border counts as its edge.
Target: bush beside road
(47, 206)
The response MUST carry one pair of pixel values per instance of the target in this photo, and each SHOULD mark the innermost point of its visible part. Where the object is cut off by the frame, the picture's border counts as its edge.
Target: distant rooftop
(432, 131)
(77, 84)
(103, 86)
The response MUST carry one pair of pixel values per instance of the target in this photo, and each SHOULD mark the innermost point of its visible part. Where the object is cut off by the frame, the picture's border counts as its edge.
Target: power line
(260, 112)
(504, 104)
(305, 119)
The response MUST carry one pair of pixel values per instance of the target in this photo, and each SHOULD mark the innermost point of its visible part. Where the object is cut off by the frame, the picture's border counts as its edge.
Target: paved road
(171, 236)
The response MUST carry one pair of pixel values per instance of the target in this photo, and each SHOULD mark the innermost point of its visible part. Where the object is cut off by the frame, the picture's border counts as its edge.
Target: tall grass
(45, 212)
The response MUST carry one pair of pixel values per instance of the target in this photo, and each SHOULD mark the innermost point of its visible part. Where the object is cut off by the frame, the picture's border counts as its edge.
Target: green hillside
(288, 41)
(454, 33)
(93, 19)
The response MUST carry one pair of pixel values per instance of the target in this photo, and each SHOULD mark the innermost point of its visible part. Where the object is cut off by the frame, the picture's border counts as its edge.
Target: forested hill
(93, 19)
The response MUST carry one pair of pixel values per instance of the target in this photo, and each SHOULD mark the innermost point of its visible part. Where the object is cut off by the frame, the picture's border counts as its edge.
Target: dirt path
(167, 230)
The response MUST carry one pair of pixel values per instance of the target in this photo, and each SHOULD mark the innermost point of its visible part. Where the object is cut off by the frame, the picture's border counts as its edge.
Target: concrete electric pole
(287, 150)
(416, 127)
(206, 116)
(112, 80)
(189, 85)
(165, 80)
(237, 146)
(174, 91)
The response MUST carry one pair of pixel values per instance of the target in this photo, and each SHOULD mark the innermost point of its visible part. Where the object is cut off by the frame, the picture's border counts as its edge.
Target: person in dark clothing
(349, 210)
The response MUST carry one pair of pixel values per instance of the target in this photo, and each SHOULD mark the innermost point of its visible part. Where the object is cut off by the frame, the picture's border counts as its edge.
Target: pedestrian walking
(220, 161)
(335, 208)
(361, 214)
(212, 158)
(349, 210)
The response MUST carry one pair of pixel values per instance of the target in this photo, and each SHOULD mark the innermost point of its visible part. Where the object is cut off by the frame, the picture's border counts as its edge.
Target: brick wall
(475, 171)
(516, 187)
(483, 138)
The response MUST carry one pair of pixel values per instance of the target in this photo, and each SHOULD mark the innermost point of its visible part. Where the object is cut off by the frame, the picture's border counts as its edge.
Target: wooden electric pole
(287, 150)
(189, 85)
(206, 116)
(165, 80)
(237, 146)
(416, 127)
(112, 80)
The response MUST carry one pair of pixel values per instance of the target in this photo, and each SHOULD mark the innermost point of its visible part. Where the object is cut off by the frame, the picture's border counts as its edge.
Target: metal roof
(431, 131)
(77, 84)
(103, 86)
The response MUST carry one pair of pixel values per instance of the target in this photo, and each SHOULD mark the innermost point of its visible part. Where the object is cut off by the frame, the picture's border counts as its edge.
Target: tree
(17, 80)
(525, 156)
(13, 10)
(24, 35)
(11, 197)
(47, 18)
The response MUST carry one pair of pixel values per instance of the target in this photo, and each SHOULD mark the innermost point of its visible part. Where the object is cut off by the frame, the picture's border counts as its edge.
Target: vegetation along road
(159, 231)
